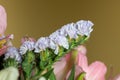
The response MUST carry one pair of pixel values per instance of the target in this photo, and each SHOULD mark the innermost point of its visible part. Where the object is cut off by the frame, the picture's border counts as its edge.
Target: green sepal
(72, 74)
(10, 62)
(52, 76)
(81, 76)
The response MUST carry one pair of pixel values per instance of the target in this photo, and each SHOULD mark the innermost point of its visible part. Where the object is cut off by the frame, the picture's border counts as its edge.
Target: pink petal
(3, 20)
(82, 61)
(81, 49)
(68, 56)
(96, 71)
(59, 69)
(26, 38)
(3, 50)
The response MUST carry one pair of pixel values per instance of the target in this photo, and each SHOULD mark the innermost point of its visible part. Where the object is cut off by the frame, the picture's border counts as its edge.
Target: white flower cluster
(26, 46)
(12, 52)
(58, 38)
(55, 41)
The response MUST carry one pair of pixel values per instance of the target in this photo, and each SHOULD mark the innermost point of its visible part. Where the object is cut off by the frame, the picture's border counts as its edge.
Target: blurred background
(37, 18)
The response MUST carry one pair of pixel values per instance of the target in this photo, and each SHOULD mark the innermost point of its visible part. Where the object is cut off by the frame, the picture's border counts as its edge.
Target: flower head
(41, 44)
(44, 43)
(59, 40)
(84, 27)
(69, 30)
(12, 52)
(27, 46)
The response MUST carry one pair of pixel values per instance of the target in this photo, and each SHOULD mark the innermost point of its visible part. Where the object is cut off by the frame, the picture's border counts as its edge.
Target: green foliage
(10, 62)
(28, 63)
(81, 76)
(72, 74)
(50, 75)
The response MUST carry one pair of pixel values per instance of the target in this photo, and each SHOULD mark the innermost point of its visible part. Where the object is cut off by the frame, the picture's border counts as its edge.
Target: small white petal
(69, 30)
(41, 44)
(12, 52)
(27, 46)
(56, 50)
(37, 50)
(52, 45)
(59, 40)
(84, 27)
(23, 50)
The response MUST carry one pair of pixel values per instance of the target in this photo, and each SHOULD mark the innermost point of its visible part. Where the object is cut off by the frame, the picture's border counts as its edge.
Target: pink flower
(5, 42)
(26, 38)
(3, 25)
(3, 20)
(95, 71)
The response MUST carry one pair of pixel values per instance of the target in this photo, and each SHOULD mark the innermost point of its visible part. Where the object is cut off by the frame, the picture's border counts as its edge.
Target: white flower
(41, 44)
(52, 44)
(59, 40)
(45, 42)
(27, 46)
(69, 30)
(84, 27)
(12, 52)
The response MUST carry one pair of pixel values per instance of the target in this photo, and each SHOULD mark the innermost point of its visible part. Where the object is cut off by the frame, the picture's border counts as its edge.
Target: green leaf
(52, 76)
(47, 75)
(81, 77)
(72, 74)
